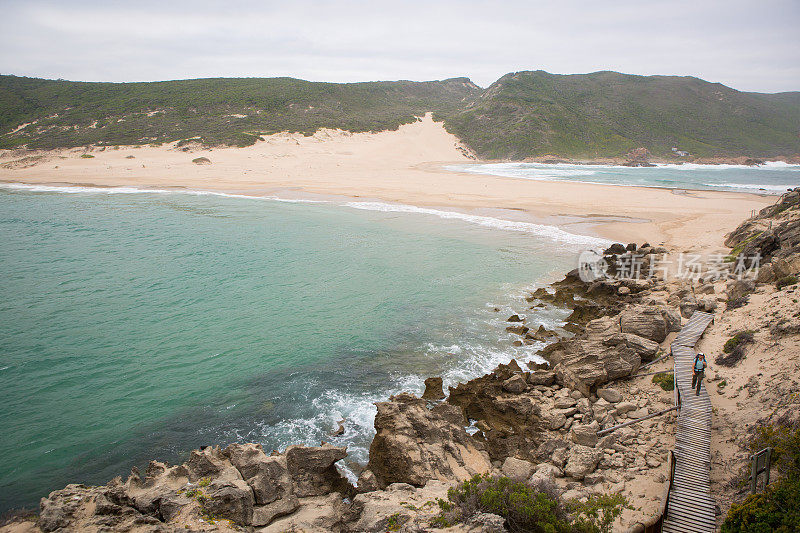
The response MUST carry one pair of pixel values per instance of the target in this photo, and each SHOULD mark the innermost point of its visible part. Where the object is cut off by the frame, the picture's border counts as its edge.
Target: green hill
(230, 111)
(523, 114)
(527, 114)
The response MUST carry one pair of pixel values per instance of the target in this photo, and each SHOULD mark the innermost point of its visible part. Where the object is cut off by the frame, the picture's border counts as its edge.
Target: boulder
(592, 358)
(313, 471)
(689, 305)
(510, 424)
(414, 444)
(564, 403)
(556, 421)
(582, 460)
(517, 469)
(486, 523)
(231, 499)
(367, 482)
(673, 318)
(739, 288)
(316, 514)
(645, 321)
(268, 476)
(264, 514)
(515, 384)
(433, 389)
(514, 318)
(610, 395)
(625, 407)
(644, 348)
(584, 434)
(542, 377)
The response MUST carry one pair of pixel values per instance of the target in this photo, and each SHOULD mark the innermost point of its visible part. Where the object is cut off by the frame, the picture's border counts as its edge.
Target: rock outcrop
(414, 444)
(219, 490)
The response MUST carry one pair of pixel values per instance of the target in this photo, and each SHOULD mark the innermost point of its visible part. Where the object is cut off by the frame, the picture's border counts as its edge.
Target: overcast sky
(750, 45)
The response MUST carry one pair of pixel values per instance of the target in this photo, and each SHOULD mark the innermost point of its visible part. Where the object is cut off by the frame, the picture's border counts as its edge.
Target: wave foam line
(77, 189)
(551, 232)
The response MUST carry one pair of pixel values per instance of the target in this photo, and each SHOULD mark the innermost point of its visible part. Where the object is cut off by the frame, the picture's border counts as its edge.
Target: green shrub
(87, 156)
(527, 509)
(785, 282)
(776, 509)
(597, 515)
(734, 348)
(665, 380)
(741, 337)
(736, 303)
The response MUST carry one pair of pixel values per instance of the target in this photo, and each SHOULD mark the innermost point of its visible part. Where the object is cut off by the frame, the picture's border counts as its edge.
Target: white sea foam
(551, 232)
(542, 230)
(754, 186)
(82, 189)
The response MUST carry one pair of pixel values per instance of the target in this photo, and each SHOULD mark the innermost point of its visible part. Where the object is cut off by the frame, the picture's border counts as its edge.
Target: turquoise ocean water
(140, 325)
(771, 178)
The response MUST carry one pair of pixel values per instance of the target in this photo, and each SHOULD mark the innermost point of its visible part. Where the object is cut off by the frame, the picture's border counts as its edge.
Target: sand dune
(404, 166)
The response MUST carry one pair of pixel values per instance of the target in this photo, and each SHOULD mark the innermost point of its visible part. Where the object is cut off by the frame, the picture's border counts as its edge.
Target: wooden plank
(691, 508)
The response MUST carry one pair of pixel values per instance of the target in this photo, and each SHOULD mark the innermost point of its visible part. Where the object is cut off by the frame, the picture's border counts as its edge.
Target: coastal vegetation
(665, 380)
(526, 508)
(46, 114)
(523, 114)
(526, 114)
(777, 507)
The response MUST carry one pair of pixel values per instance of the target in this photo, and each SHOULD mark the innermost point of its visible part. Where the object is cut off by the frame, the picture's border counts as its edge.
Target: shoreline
(399, 167)
(634, 462)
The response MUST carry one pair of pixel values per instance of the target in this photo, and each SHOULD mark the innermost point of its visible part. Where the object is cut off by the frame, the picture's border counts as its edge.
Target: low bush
(777, 508)
(734, 348)
(527, 509)
(785, 282)
(87, 156)
(665, 380)
(736, 303)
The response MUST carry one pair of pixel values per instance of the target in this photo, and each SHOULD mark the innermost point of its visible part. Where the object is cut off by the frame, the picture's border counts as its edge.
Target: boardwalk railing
(689, 507)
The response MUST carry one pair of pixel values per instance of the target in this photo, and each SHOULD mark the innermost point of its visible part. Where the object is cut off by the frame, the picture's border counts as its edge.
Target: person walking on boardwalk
(698, 370)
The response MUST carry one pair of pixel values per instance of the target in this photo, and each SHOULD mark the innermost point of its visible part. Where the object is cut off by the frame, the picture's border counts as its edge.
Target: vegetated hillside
(231, 111)
(607, 114)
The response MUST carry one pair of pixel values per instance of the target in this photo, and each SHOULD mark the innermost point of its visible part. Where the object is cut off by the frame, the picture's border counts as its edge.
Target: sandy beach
(404, 166)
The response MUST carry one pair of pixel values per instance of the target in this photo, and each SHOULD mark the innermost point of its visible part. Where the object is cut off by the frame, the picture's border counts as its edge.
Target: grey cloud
(748, 45)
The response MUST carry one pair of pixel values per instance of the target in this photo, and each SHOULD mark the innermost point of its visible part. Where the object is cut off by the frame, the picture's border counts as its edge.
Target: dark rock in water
(414, 444)
(615, 249)
(542, 334)
(518, 330)
(511, 423)
(514, 318)
(433, 389)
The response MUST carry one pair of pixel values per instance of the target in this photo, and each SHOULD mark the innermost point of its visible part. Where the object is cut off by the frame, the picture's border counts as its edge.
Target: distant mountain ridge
(218, 111)
(607, 114)
(523, 114)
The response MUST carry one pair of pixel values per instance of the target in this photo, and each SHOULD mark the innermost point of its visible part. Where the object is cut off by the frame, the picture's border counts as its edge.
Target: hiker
(698, 370)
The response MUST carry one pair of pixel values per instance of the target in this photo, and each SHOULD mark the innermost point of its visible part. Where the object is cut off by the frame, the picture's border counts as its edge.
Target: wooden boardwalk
(689, 506)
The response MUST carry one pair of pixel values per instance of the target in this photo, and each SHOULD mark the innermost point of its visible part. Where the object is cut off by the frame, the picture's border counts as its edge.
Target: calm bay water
(140, 326)
(771, 178)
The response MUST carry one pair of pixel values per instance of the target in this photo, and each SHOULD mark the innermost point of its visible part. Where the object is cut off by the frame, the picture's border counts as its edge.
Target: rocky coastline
(532, 422)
